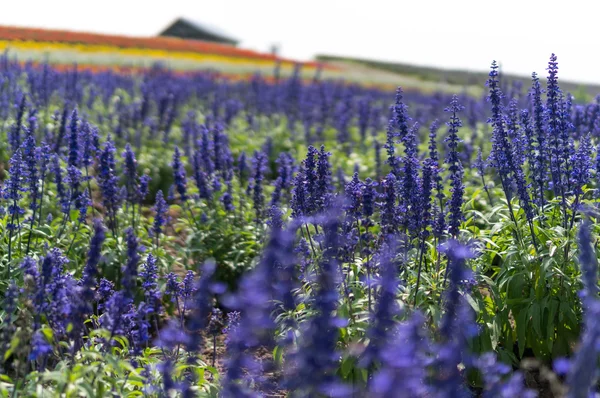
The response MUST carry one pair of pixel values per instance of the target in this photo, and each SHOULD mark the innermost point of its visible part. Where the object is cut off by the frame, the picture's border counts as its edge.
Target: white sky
(465, 34)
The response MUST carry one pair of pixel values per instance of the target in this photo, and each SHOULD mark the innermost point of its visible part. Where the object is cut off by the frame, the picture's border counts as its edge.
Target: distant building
(188, 29)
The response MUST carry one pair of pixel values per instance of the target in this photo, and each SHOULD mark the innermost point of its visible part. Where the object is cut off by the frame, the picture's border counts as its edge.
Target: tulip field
(183, 233)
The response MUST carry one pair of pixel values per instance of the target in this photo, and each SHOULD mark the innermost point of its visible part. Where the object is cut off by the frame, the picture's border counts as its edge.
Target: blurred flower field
(100, 52)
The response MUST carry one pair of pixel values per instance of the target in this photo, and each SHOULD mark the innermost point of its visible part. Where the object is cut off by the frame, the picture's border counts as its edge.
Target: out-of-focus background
(427, 45)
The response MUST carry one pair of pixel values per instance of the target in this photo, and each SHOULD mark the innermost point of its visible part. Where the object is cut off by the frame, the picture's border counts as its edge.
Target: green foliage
(231, 239)
(95, 373)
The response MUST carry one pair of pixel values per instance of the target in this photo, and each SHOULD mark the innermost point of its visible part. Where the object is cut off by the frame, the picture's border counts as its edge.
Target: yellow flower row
(132, 52)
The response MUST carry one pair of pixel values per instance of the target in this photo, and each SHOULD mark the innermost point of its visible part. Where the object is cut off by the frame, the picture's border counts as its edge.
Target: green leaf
(14, 344)
(515, 287)
(521, 325)
(536, 318)
(473, 303)
(278, 355)
(87, 388)
(550, 326)
(47, 332)
(489, 242)
(347, 366)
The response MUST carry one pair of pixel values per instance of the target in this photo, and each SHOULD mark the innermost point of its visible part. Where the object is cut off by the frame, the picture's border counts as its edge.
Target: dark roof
(188, 29)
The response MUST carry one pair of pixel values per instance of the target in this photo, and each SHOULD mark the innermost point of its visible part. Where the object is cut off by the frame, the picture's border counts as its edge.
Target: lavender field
(181, 234)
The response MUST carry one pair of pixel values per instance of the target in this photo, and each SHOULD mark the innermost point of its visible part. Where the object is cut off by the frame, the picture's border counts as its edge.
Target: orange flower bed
(158, 43)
